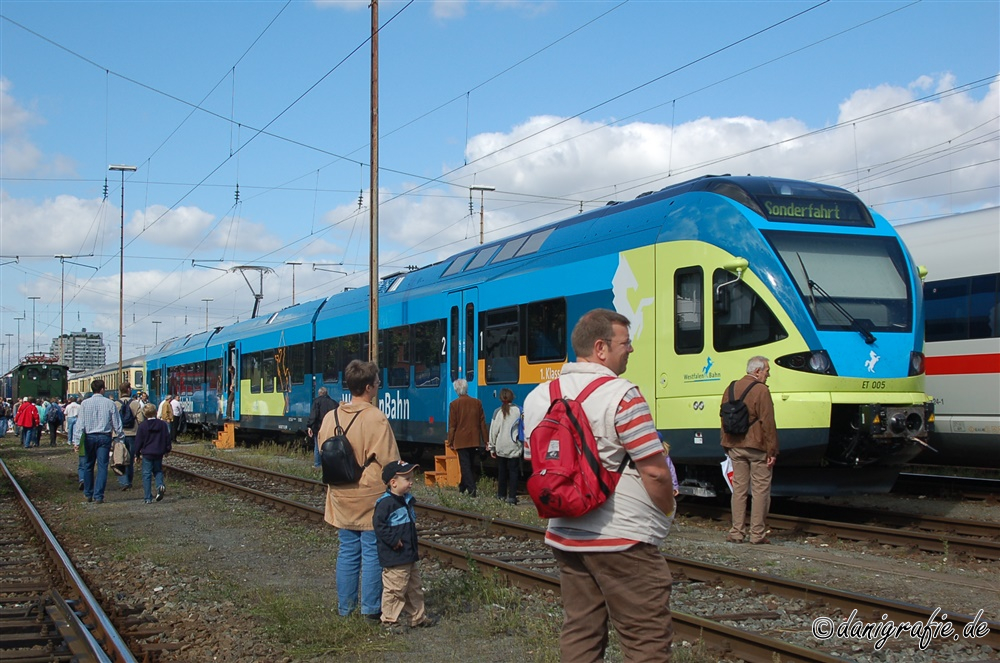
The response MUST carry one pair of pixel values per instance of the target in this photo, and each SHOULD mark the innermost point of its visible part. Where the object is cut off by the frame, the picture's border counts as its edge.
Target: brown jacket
(467, 423)
(352, 506)
(763, 433)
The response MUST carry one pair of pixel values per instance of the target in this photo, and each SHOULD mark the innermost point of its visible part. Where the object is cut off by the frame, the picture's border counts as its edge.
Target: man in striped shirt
(610, 565)
(100, 420)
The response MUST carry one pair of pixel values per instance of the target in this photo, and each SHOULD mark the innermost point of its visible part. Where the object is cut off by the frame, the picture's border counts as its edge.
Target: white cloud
(18, 153)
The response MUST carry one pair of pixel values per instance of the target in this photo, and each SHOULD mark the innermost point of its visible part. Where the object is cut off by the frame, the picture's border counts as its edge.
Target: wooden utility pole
(373, 239)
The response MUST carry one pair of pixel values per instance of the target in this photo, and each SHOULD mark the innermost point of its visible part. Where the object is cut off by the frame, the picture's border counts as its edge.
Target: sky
(249, 126)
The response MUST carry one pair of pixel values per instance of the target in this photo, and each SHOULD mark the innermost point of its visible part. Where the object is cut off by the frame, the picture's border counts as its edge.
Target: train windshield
(848, 282)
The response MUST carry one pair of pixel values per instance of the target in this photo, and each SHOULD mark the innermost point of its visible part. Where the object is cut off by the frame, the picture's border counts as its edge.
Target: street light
(293, 264)
(207, 300)
(481, 188)
(19, 337)
(9, 365)
(33, 300)
(121, 265)
(156, 335)
(62, 296)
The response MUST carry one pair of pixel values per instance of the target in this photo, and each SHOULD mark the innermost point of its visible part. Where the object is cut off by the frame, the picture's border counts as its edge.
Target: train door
(463, 340)
(232, 372)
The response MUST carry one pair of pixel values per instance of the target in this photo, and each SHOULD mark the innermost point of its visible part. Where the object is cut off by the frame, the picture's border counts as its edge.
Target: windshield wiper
(815, 287)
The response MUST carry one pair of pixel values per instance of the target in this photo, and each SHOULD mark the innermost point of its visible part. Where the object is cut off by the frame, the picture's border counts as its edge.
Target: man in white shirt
(175, 406)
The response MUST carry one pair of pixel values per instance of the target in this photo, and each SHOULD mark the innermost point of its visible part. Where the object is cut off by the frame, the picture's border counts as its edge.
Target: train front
(856, 301)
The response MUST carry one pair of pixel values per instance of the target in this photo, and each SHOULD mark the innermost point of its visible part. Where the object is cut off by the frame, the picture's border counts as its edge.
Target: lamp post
(62, 296)
(293, 264)
(207, 300)
(156, 334)
(33, 300)
(19, 337)
(121, 265)
(481, 188)
(9, 365)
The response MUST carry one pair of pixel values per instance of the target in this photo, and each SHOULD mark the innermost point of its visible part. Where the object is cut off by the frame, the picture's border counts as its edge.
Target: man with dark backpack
(130, 410)
(750, 438)
(610, 565)
(53, 419)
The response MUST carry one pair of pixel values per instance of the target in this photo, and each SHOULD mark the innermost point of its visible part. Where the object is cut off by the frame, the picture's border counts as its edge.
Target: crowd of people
(611, 570)
(91, 425)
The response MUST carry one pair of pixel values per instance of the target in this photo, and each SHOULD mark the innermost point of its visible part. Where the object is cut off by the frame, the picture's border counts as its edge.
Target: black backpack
(337, 457)
(734, 413)
(128, 417)
(54, 414)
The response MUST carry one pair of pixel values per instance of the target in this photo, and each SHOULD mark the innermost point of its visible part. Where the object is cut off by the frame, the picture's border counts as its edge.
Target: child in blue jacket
(395, 524)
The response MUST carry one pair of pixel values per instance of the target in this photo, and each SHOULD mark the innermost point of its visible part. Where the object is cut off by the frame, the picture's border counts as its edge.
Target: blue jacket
(395, 521)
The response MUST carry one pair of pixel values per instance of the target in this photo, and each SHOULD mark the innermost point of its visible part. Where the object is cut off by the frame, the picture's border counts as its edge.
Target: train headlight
(816, 361)
(916, 363)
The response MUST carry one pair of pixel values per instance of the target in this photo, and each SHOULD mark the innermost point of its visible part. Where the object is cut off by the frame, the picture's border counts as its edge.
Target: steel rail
(106, 635)
(929, 523)
(730, 640)
(866, 605)
(734, 641)
(937, 542)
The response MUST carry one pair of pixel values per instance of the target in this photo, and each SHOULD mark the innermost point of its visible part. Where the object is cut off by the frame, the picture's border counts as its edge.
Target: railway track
(927, 533)
(47, 612)
(970, 488)
(517, 552)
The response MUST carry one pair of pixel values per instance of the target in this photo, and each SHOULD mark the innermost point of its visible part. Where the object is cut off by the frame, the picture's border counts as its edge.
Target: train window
(429, 351)
(295, 359)
(962, 308)
(745, 321)
(510, 249)
(454, 343)
(353, 347)
(482, 257)
(327, 363)
(397, 356)
(501, 353)
(546, 325)
(689, 311)
(269, 371)
(984, 312)
(252, 370)
(470, 342)
(457, 266)
(848, 280)
(138, 380)
(534, 243)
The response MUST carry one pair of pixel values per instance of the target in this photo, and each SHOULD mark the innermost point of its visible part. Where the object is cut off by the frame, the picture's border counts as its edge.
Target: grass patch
(313, 628)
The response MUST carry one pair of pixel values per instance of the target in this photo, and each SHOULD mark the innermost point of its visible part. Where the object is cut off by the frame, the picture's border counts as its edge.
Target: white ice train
(962, 307)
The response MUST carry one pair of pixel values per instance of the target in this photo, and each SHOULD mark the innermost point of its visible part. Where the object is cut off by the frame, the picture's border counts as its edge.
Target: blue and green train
(711, 272)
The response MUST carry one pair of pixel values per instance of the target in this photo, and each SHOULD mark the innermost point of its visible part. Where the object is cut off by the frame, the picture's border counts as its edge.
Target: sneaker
(160, 490)
(148, 501)
(428, 621)
(90, 499)
(81, 486)
(512, 501)
(126, 487)
(394, 627)
(101, 501)
(375, 617)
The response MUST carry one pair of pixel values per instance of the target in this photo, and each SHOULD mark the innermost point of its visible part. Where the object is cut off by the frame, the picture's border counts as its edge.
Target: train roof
(957, 245)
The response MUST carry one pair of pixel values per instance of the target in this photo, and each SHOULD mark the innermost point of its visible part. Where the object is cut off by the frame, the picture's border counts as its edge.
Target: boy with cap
(395, 524)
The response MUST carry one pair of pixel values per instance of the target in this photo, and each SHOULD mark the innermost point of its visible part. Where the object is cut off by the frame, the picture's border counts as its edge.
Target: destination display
(825, 212)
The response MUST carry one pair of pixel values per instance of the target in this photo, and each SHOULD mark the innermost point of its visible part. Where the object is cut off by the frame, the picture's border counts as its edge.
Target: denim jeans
(151, 468)
(70, 425)
(3, 426)
(126, 479)
(97, 446)
(357, 559)
(27, 434)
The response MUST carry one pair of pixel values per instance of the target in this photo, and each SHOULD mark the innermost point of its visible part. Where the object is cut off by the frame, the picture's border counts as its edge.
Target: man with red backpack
(610, 565)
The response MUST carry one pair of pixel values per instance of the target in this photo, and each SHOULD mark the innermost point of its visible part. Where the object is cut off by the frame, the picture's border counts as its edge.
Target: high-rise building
(82, 350)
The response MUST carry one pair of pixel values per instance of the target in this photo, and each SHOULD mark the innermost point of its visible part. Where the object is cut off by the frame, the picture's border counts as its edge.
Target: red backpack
(568, 478)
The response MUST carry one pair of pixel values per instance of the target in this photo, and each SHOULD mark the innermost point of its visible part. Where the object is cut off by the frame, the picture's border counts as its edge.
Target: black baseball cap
(397, 467)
